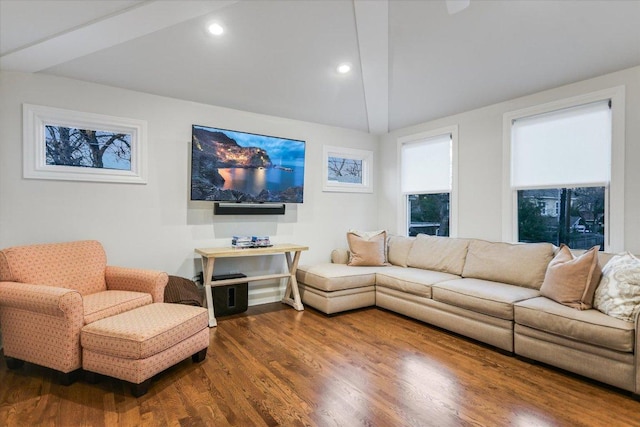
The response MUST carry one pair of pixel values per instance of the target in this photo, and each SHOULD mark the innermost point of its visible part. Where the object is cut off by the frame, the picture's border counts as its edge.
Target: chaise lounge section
(488, 291)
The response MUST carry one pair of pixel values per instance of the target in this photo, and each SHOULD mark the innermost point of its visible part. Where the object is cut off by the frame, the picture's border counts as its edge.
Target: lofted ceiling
(411, 60)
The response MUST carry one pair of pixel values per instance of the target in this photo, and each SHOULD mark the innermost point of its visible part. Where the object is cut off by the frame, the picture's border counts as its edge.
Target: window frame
(614, 189)
(403, 203)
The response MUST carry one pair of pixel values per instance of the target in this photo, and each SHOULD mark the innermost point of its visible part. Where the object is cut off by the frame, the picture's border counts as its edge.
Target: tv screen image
(233, 166)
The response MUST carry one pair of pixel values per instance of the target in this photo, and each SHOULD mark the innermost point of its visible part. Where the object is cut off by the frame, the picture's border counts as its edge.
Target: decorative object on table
(260, 241)
(347, 170)
(241, 242)
(251, 242)
(76, 146)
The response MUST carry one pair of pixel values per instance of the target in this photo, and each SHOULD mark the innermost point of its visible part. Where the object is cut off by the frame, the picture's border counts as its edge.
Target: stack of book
(260, 241)
(241, 242)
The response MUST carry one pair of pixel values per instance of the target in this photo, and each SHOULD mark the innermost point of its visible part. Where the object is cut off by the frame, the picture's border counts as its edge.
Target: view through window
(428, 214)
(573, 216)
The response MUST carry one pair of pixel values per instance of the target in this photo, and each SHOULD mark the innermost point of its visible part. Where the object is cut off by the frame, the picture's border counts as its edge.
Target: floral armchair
(48, 292)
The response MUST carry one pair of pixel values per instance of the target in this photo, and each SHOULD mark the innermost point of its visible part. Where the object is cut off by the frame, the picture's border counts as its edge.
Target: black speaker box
(230, 299)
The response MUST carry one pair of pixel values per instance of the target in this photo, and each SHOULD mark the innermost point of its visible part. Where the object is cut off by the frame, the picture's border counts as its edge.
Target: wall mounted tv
(233, 166)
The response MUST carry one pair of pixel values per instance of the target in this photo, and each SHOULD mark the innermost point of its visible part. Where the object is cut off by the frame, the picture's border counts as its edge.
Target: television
(232, 166)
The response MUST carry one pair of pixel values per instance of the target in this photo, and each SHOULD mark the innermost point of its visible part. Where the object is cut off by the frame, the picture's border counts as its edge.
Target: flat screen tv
(232, 166)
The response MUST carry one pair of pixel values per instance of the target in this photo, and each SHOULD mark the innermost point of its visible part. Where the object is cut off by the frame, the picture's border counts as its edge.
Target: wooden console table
(291, 295)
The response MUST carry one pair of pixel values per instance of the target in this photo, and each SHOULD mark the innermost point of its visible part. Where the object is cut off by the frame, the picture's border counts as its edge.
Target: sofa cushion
(618, 293)
(482, 296)
(367, 248)
(587, 326)
(398, 249)
(333, 277)
(515, 264)
(109, 303)
(412, 280)
(444, 254)
(572, 280)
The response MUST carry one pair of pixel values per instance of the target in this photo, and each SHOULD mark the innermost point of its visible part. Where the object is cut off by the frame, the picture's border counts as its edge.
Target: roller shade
(566, 147)
(426, 165)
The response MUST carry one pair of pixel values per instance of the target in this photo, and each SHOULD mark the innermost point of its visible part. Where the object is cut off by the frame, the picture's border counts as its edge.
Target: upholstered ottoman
(135, 345)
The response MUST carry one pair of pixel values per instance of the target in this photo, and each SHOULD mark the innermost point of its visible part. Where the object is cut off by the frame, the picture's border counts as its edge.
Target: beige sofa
(487, 291)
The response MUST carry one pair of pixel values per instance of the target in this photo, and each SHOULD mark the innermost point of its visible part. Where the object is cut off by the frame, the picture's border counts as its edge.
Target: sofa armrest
(138, 280)
(340, 256)
(49, 300)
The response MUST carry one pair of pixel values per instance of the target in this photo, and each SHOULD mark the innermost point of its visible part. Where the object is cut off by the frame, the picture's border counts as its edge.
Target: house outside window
(565, 161)
(579, 224)
(427, 178)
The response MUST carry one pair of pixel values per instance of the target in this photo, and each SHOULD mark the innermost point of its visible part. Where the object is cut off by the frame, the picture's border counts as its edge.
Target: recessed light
(216, 29)
(344, 68)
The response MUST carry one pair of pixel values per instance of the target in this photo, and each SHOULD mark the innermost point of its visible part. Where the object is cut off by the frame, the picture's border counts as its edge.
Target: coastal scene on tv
(233, 166)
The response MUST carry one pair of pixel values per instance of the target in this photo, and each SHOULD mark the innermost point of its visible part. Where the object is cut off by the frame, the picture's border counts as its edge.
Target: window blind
(566, 147)
(426, 165)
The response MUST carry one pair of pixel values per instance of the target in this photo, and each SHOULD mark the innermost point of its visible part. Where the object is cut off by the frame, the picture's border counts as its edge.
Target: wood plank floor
(275, 366)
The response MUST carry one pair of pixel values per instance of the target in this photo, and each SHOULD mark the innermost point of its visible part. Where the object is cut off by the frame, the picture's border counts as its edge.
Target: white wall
(480, 159)
(154, 225)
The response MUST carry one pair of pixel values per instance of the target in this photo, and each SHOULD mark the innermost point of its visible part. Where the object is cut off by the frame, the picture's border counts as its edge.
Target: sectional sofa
(488, 291)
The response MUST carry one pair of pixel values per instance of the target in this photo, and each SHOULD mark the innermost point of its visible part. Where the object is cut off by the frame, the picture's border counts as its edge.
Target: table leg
(292, 282)
(207, 273)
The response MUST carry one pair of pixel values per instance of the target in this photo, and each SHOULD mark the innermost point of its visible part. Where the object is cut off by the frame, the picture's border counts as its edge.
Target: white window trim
(453, 195)
(614, 227)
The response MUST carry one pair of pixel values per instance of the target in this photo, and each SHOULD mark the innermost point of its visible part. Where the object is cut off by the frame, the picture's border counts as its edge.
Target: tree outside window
(573, 216)
(428, 214)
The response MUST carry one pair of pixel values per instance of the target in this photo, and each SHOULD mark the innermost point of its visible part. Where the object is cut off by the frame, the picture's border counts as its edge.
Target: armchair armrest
(49, 300)
(138, 280)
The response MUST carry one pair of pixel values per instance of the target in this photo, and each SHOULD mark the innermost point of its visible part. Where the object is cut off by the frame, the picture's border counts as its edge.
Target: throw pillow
(572, 280)
(618, 294)
(367, 248)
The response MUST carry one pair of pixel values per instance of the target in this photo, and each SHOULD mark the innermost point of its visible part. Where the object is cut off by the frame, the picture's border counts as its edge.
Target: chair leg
(140, 389)
(68, 378)
(13, 363)
(199, 356)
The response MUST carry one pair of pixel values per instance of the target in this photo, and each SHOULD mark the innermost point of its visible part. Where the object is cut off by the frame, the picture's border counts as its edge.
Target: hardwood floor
(275, 366)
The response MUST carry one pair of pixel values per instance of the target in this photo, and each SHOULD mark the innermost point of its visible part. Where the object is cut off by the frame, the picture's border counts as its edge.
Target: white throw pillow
(618, 294)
